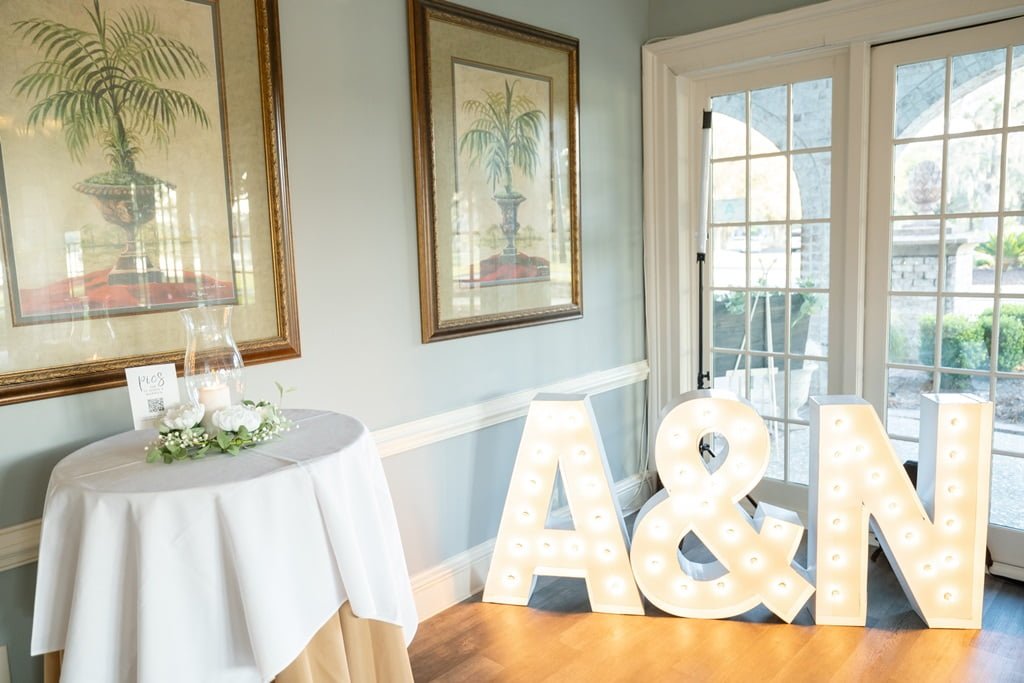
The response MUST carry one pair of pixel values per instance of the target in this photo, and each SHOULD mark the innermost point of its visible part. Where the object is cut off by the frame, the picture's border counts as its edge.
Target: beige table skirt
(346, 649)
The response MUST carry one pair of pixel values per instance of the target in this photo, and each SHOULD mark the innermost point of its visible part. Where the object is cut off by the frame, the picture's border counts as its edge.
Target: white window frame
(671, 71)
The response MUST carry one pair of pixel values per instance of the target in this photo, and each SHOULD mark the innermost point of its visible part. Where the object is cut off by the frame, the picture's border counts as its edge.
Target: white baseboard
(452, 581)
(1007, 570)
(463, 575)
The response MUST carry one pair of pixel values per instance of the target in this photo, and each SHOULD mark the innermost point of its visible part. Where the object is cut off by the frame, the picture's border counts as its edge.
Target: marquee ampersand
(754, 557)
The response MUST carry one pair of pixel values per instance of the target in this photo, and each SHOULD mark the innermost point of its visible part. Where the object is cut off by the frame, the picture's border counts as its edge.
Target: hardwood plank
(557, 638)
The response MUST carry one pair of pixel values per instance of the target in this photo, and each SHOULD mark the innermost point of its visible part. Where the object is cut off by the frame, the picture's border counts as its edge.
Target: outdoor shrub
(1011, 335)
(898, 344)
(963, 346)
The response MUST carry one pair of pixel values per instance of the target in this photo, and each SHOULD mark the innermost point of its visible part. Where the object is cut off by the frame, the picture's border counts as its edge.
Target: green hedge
(966, 343)
(1011, 336)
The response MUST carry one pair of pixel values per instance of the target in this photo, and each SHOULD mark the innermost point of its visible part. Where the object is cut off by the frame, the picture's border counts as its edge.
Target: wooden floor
(557, 638)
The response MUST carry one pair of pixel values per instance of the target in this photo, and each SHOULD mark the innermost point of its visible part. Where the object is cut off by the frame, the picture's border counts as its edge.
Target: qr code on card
(156, 405)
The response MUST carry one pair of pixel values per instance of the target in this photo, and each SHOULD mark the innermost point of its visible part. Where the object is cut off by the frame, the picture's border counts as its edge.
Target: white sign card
(152, 390)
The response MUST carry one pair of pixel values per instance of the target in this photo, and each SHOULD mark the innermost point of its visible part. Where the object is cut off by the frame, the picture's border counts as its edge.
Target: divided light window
(952, 133)
(769, 257)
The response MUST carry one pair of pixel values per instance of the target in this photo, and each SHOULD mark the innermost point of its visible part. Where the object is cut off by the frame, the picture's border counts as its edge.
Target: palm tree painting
(504, 141)
(113, 81)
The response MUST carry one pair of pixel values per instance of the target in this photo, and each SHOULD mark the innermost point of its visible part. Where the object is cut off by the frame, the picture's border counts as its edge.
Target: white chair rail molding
(934, 537)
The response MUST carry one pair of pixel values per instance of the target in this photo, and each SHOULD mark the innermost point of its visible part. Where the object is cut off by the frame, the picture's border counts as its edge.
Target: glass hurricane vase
(213, 364)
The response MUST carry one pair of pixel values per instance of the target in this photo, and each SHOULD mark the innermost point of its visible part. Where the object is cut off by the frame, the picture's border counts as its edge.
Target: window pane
(811, 186)
(729, 372)
(809, 255)
(973, 183)
(1011, 278)
(970, 254)
(768, 255)
(912, 330)
(728, 320)
(1014, 198)
(812, 114)
(729, 257)
(799, 453)
(915, 256)
(729, 191)
(768, 189)
(768, 116)
(917, 178)
(954, 382)
(920, 88)
(1017, 87)
(1009, 417)
(977, 91)
(767, 321)
(729, 125)
(963, 334)
(903, 417)
(1007, 483)
(1011, 335)
(777, 458)
(807, 378)
(767, 385)
(809, 324)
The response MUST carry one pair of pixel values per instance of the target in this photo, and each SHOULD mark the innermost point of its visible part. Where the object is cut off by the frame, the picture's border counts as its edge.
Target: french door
(769, 305)
(945, 260)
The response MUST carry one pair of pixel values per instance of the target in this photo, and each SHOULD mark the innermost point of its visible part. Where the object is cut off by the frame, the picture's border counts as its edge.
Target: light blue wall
(350, 162)
(668, 18)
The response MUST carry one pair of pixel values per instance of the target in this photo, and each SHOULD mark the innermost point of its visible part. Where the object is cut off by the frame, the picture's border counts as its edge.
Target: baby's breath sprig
(182, 437)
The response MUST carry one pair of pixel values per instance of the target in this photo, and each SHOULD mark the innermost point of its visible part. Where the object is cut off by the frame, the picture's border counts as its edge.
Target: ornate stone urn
(128, 205)
(509, 204)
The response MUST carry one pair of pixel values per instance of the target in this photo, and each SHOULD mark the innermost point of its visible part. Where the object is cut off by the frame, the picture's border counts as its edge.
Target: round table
(219, 569)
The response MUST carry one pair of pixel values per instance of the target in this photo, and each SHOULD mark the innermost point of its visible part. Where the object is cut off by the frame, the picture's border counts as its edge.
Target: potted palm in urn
(504, 136)
(101, 84)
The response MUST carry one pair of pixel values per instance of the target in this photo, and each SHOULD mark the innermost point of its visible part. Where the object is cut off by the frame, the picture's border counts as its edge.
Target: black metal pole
(703, 376)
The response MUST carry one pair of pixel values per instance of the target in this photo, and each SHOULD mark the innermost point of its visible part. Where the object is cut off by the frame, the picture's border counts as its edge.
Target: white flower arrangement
(182, 436)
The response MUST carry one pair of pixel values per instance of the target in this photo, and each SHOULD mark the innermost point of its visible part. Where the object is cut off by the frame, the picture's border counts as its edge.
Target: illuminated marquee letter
(561, 432)
(753, 556)
(936, 549)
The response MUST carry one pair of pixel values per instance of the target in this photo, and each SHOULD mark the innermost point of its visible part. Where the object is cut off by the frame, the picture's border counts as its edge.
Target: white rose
(235, 417)
(185, 416)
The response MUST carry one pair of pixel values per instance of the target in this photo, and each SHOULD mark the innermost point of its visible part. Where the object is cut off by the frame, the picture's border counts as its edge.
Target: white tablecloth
(219, 569)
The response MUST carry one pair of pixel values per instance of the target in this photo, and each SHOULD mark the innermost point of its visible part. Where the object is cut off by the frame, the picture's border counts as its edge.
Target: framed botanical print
(495, 128)
(142, 171)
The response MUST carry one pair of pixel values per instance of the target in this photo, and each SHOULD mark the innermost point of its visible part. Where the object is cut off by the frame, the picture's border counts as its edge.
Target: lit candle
(214, 397)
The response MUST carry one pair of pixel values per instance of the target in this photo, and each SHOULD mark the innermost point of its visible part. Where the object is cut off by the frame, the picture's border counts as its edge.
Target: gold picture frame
(495, 132)
(116, 213)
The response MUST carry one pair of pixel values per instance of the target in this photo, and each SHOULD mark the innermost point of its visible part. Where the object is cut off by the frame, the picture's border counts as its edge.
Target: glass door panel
(770, 251)
(945, 265)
